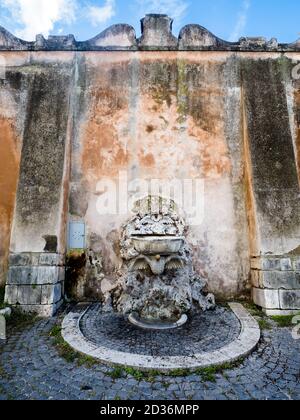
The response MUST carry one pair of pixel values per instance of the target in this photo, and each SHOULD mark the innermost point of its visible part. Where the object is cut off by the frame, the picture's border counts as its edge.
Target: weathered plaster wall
(165, 115)
(219, 116)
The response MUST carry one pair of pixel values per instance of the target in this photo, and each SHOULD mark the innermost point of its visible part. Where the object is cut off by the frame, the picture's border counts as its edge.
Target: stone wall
(43, 87)
(164, 115)
(156, 107)
(275, 269)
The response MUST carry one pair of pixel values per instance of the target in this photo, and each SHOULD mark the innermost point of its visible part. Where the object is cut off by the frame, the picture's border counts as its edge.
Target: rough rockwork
(158, 282)
(156, 35)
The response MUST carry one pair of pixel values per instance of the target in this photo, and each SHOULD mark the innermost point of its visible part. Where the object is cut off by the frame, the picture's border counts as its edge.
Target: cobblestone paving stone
(31, 368)
(218, 328)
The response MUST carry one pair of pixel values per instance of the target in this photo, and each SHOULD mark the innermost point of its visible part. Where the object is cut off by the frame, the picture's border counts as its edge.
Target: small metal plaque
(76, 235)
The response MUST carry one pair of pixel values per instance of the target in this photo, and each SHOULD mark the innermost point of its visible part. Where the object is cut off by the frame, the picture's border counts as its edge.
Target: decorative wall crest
(156, 35)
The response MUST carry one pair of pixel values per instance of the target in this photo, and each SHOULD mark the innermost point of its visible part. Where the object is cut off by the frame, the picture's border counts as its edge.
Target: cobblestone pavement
(31, 368)
(218, 328)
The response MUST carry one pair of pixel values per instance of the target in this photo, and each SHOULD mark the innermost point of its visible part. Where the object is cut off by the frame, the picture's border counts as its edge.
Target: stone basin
(157, 245)
(145, 324)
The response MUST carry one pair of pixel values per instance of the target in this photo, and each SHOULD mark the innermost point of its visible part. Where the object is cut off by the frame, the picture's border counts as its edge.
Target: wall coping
(156, 36)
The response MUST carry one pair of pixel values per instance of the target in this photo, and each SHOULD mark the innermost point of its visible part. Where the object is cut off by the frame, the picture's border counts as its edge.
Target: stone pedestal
(35, 282)
(276, 284)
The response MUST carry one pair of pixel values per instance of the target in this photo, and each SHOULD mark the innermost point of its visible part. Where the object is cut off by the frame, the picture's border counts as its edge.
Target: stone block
(278, 280)
(11, 294)
(29, 295)
(20, 259)
(61, 274)
(48, 275)
(296, 264)
(33, 275)
(262, 263)
(255, 278)
(51, 259)
(23, 275)
(44, 311)
(51, 294)
(268, 299)
(35, 258)
(286, 264)
(289, 299)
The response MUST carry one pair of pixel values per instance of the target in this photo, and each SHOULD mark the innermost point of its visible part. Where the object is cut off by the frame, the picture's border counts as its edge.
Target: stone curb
(241, 347)
(4, 313)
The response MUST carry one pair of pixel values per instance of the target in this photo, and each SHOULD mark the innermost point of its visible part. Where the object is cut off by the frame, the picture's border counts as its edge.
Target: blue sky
(228, 19)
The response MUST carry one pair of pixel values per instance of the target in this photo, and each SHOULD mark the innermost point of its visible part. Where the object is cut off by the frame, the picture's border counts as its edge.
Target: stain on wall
(297, 120)
(9, 171)
(12, 115)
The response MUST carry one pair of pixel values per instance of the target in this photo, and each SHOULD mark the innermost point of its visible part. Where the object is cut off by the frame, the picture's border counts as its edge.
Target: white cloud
(98, 15)
(40, 16)
(241, 21)
(174, 8)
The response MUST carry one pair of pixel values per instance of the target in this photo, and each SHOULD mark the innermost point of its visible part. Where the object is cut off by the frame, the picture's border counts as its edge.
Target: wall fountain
(158, 285)
(158, 317)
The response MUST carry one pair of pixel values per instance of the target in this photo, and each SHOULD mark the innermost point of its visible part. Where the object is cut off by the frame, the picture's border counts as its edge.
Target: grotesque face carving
(157, 264)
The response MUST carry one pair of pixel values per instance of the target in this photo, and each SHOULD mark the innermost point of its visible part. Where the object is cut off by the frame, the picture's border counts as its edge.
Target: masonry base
(35, 282)
(276, 284)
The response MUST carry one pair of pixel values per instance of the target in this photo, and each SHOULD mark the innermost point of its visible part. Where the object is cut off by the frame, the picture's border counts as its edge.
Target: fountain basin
(134, 319)
(157, 245)
(224, 337)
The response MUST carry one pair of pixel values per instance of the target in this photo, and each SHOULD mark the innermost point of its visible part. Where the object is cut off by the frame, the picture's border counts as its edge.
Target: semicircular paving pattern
(208, 339)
